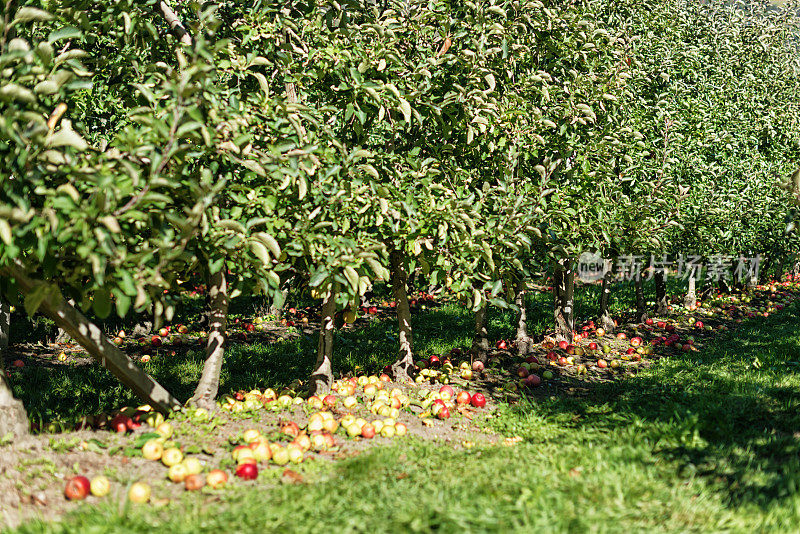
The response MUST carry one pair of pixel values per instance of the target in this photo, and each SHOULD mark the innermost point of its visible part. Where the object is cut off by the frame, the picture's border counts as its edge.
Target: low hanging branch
(175, 23)
(91, 337)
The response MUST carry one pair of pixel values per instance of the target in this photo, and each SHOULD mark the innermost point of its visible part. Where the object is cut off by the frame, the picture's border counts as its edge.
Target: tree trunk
(405, 358)
(563, 291)
(605, 320)
(662, 305)
(641, 307)
(207, 388)
(61, 335)
(5, 324)
(691, 294)
(174, 23)
(99, 347)
(763, 276)
(523, 340)
(480, 339)
(278, 303)
(13, 419)
(322, 377)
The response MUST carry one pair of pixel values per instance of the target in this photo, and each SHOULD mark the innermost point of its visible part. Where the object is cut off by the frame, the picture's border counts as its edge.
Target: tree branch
(175, 23)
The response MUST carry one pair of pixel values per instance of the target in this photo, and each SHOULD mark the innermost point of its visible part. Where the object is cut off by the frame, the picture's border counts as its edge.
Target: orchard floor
(705, 441)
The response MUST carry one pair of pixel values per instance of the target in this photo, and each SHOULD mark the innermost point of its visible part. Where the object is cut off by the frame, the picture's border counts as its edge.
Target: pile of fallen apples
(594, 348)
(252, 450)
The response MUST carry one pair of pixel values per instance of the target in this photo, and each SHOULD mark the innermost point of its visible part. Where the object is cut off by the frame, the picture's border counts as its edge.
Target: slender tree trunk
(641, 307)
(763, 276)
(523, 340)
(480, 339)
(723, 286)
(605, 320)
(691, 294)
(278, 303)
(96, 343)
(13, 419)
(322, 377)
(175, 23)
(405, 359)
(564, 289)
(206, 391)
(662, 305)
(5, 324)
(61, 335)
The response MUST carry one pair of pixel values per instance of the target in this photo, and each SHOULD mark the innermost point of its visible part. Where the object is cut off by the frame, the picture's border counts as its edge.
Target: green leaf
(123, 303)
(352, 277)
(318, 277)
(67, 137)
(405, 108)
(31, 14)
(5, 232)
(260, 251)
(35, 297)
(13, 91)
(67, 32)
(101, 303)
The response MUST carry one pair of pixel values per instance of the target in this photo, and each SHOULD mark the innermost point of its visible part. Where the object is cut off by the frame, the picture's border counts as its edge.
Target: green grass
(699, 442)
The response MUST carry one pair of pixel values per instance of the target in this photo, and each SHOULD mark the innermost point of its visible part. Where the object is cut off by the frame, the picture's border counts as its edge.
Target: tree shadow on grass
(730, 414)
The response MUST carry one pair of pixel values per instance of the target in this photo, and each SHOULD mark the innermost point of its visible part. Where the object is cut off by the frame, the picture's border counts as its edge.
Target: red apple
(121, 423)
(291, 429)
(77, 488)
(621, 335)
(522, 372)
(155, 341)
(533, 381)
(368, 431)
(563, 345)
(478, 400)
(648, 322)
(444, 413)
(463, 398)
(447, 390)
(477, 366)
(602, 364)
(216, 478)
(247, 471)
(552, 356)
(562, 361)
(636, 341)
(194, 482)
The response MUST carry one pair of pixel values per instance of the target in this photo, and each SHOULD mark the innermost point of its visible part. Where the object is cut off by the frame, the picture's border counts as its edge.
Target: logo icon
(591, 267)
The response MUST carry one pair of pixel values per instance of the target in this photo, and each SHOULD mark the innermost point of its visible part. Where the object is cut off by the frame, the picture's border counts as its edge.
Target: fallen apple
(100, 486)
(478, 400)
(194, 482)
(247, 471)
(139, 493)
(217, 478)
(77, 488)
